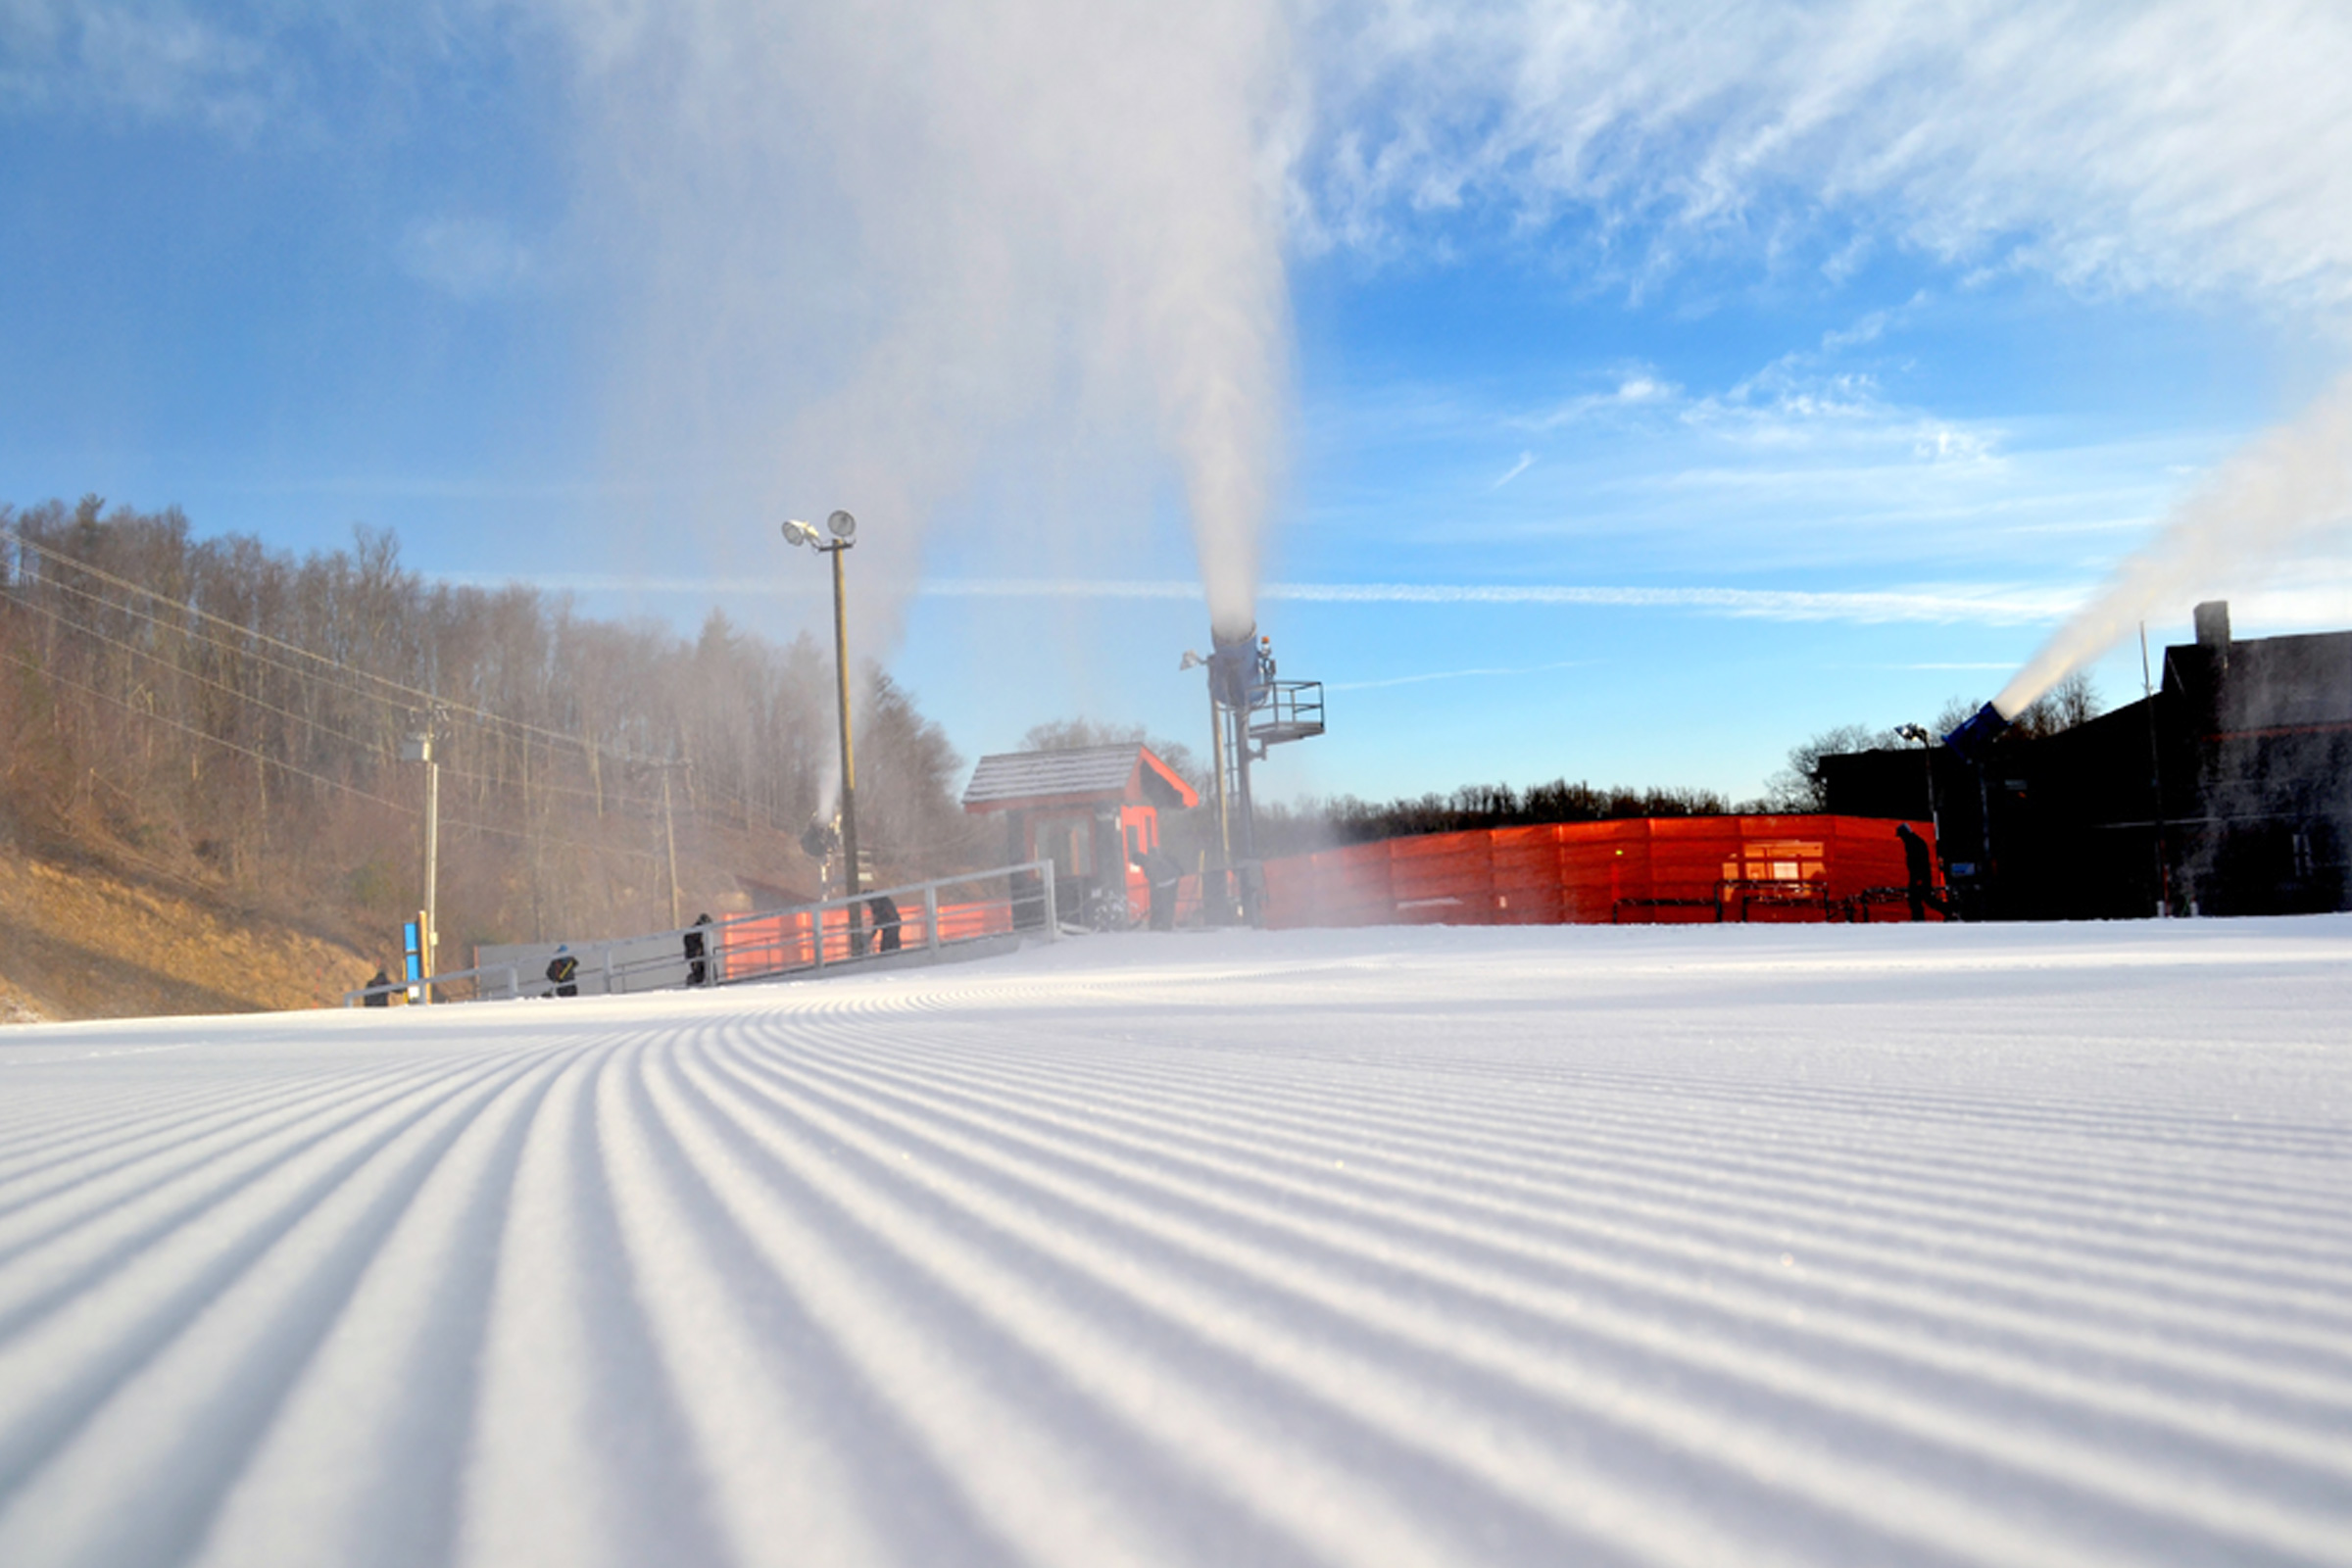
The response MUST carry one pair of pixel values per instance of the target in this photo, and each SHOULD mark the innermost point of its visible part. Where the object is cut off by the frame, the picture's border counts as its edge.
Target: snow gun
(1975, 737)
(1233, 676)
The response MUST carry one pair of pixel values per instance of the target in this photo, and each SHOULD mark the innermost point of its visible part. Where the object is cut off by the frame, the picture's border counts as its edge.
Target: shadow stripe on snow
(85, 1248)
(1856, 1475)
(176, 1422)
(1251, 1192)
(57, 1371)
(1524, 1179)
(1171, 1439)
(2188, 1421)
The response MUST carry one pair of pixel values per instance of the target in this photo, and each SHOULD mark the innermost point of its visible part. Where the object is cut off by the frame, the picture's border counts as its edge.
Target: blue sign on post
(412, 956)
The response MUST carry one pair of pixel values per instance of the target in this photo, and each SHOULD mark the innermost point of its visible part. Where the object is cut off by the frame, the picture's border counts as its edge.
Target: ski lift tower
(1250, 710)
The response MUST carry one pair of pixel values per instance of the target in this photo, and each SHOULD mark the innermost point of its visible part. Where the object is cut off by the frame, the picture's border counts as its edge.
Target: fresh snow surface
(1876, 1245)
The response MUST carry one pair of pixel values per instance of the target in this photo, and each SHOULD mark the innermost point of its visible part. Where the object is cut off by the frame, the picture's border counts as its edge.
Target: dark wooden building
(2226, 792)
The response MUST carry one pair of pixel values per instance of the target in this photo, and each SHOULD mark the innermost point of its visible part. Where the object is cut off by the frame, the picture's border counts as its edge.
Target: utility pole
(432, 857)
(2147, 690)
(848, 754)
(1926, 759)
(669, 837)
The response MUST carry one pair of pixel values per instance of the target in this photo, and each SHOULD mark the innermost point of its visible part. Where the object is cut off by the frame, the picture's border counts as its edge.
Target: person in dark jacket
(885, 910)
(1920, 864)
(564, 971)
(698, 965)
(1161, 872)
(380, 990)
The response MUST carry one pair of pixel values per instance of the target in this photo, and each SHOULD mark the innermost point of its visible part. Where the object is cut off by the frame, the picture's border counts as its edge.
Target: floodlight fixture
(844, 526)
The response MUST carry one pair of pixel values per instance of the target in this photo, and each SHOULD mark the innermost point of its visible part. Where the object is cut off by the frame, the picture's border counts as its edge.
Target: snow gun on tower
(1249, 710)
(1974, 738)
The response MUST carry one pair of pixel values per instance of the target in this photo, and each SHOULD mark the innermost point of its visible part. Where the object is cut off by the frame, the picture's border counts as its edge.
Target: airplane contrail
(2001, 605)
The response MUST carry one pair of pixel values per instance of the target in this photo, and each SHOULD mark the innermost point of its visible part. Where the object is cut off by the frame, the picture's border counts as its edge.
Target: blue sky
(1650, 389)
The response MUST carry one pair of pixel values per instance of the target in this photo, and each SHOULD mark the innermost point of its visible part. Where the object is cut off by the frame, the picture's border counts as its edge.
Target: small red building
(1092, 812)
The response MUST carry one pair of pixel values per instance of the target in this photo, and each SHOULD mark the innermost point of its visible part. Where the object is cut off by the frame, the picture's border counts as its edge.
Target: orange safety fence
(1641, 870)
(961, 922)
(771, 944)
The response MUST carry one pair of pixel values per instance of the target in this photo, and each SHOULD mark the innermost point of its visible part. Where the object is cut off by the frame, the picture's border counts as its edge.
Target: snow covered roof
(1092, 774)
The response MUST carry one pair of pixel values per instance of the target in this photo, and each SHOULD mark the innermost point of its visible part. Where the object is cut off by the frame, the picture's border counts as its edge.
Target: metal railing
(887, 927)
(492, 982)
(1736, 898)
(1748, 893)
(1859, 905)
(1291, 710)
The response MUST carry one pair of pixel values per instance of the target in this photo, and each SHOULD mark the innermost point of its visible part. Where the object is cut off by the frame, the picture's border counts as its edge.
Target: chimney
(2213, 624)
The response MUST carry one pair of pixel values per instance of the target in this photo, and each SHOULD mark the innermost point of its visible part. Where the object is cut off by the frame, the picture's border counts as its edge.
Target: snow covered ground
(1732, 1246)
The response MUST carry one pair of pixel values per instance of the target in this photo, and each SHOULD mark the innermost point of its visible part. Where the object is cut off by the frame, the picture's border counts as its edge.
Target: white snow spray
(919, 260)
(2282, 490)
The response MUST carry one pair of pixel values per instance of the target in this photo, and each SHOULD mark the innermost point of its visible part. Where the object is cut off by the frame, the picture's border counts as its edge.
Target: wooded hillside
(219, 714)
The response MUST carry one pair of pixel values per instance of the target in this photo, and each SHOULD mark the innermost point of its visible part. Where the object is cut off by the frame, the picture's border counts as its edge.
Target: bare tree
(1799, 787)
(2073, 701)
(1076, 734)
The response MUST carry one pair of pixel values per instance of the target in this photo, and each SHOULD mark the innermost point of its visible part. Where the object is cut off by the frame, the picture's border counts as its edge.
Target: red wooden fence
(1649, 870)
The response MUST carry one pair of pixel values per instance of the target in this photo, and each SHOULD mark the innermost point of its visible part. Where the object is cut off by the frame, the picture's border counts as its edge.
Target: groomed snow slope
(1732, 1246)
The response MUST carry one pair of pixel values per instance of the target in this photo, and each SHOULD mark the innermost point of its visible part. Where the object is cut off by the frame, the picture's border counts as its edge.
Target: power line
(182, 672)
(205, 639)
(181, 605)
(321, 778)
(204, 735)
(621, 797)
(404, 702)
(414, 695)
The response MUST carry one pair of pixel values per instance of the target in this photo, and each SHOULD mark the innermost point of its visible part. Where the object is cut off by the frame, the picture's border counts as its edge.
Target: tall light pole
(844, 529)
(1927, 758)
(418, 748)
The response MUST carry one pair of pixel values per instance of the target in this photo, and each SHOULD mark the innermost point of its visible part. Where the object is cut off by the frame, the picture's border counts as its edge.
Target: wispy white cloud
(2187, 145)
(159, 59)
(1636, 389)
(1800, 401)
(1527, 461)
(1872, 325)
(469, 258)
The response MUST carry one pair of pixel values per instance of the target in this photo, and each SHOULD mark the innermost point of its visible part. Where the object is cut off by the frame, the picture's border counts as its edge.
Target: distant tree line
(1799, 786)
(1321, 824)
(1318, 824)
(215, 711)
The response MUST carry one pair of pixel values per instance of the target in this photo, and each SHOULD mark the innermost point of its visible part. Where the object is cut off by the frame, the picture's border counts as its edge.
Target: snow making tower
(1251, 709)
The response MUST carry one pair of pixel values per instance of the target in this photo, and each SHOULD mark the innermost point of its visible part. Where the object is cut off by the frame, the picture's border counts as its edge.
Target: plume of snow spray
(2280, 491)
(895, 250)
